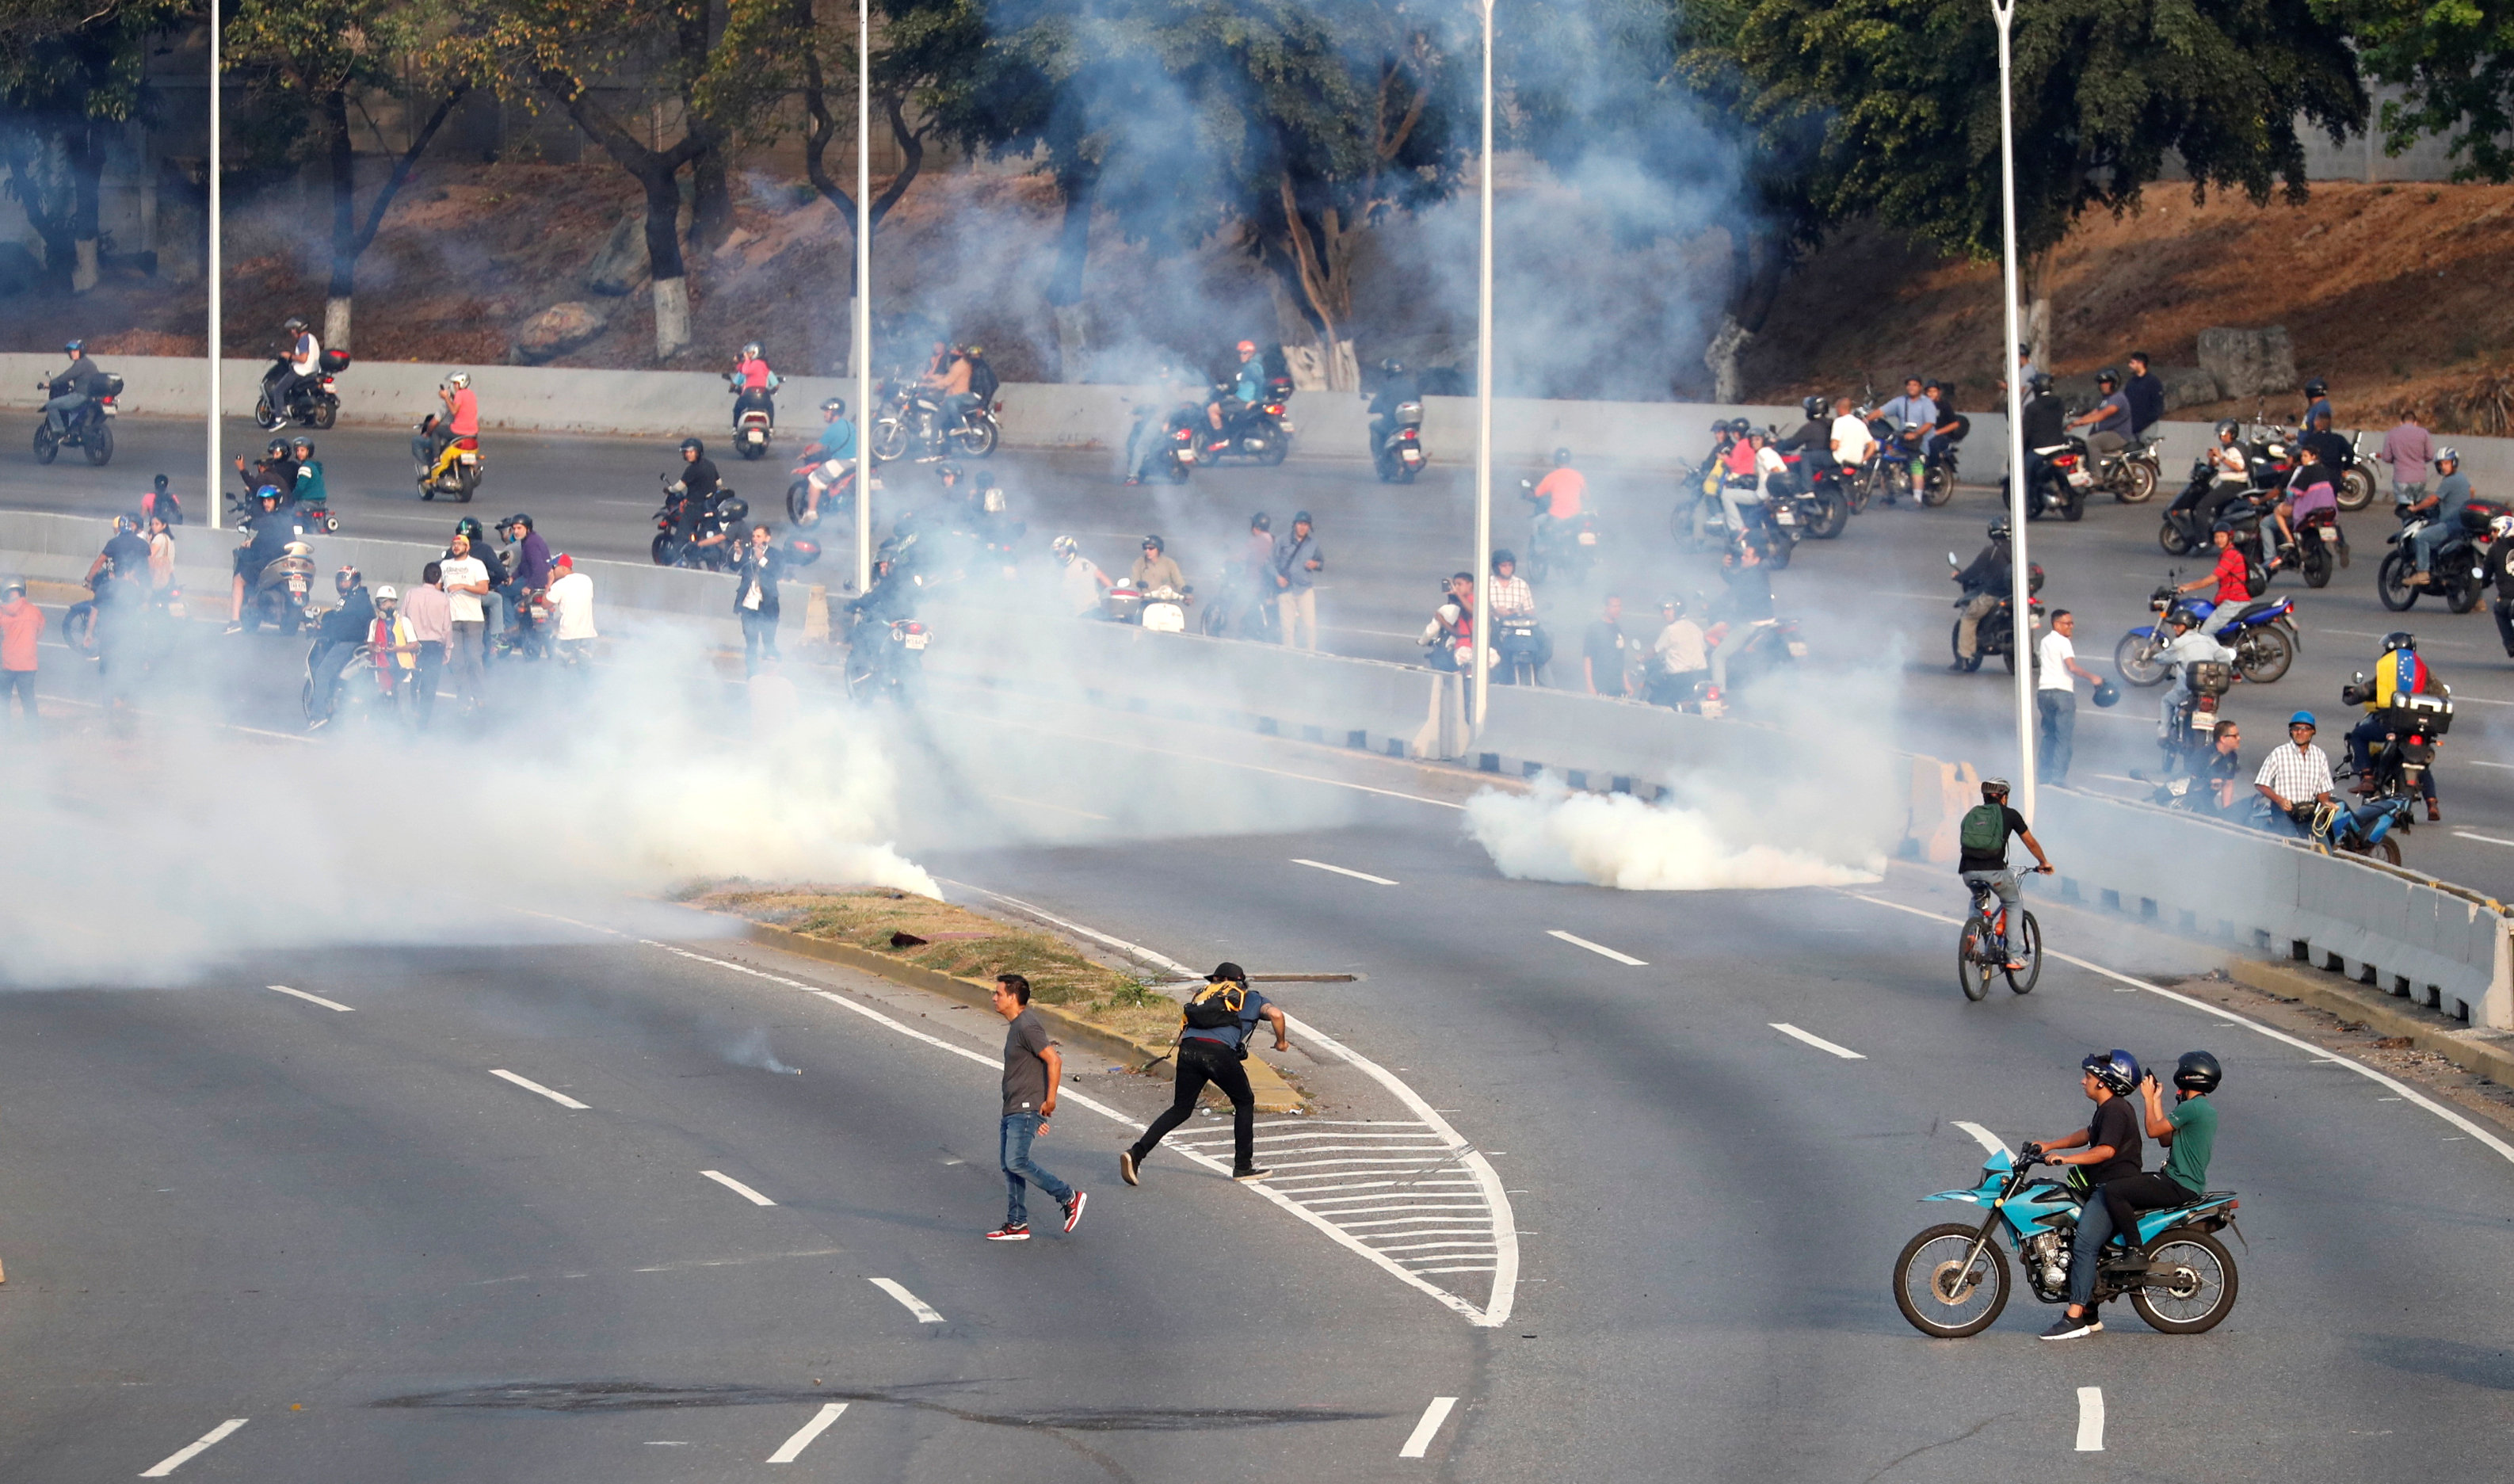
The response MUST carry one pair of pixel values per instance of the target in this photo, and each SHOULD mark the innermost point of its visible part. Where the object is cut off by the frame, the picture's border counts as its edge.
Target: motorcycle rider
(2233, 582)
(953, 401)
(2226, 475)
(530, 578)
(305, 362)
(2109, 419)
(1851, 441)
(1556, 500)
(2500, 571)
(2112, 1152)
(1396, 386)
(268, 533)
(1248, 385)
(1082, 582)
(1749, 486)
(161, 501)
(2045, 420)
(697, 491)
(340, 634)
(759, 385)
(1986, 583)
(125, 554)
(79, 382)
(1915, 405)
(2317, 402)
(1156, 569)
(1150, 437)
(1747, 602)
(835, 448)
(2310, 491)
(461, 418)
(2398, 676)
(2446, 508)
(1509, 597)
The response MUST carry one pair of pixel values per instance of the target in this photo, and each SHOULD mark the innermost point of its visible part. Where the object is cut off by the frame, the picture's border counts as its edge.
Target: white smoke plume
(1616, 840)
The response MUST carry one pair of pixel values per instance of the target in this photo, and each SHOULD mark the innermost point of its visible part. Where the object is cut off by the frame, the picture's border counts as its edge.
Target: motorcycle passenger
(1747, 480)
(304, 364)
(308, 489)
(1851, 442)
(1396, 386)
(697, 488)
(1248, 385)
(336, 638)
(269, 530)
(530, 579)
(2398, 676)
(2045, 416)
(835, 448)
(1082, 582)
(1154, 569)
(2190, 1136)
(1950, 426)
(123, 556)
(1986, 583)
(79, 382)
(1557, 500)
(275, 469)
(1772, 476)
(1982, 836)
(2112, 1151)
(161, 501)
(759, 385)
(2446, 509)
(2109, 418)
(2308, 493)
(1453, 623)
(2295, 774)
(1509, 597)
(2233, 583)
(2336, 452)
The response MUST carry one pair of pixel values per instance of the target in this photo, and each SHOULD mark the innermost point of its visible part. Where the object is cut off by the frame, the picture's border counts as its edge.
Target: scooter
(446, 465)
(313, 403)
(89, 428)
(1951, 1281)
(278, 595)
(754, 413)
(1177, 431)
(1160, 609)
(1522, 644)
(1399, 457)
(2060, 483)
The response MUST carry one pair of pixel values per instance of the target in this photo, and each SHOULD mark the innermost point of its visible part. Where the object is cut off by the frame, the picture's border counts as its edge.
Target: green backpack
(1985, 831)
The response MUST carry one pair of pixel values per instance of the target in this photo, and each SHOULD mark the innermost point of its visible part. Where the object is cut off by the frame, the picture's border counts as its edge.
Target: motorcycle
(2263, 637)
(2186, 734)
(311, 403)
(911, 416)
(681, 529)
(1244, 610)
(1399, 457)
(90, 427)
(798, 495)
(1159, 610)
(278, 596)
(887, 660)
(1996, 635)
(445, 463)
(2397, 764)
(2060, 482)
(2134, 473)
(2318, 548)
(363, 691)
(1769, 647)
(1174, 459)
(2372, 829)
(1563, 549)
(2355, 489)
(1262, 430)
(1951, 1280)
(2460, 571)
(1938, 481)
(1522, 645)
(754, 413)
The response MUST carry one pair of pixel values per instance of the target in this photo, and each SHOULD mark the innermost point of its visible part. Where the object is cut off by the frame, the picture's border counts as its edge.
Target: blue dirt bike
(1952, 1280)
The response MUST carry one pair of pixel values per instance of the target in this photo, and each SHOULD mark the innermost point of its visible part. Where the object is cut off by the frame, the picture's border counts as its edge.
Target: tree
(69, 71)
(2456, 63)
(1901, 98)
(715, 71)
(312, 58)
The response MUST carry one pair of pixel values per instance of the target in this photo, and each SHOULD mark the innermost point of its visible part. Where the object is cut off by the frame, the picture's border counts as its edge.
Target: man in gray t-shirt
(1033, 1069)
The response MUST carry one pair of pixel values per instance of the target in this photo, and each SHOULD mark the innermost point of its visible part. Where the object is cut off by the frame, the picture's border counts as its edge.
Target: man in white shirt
(465, 581)
(570, 592)
(2055, 697)
(1852, 443)
(1683, 657)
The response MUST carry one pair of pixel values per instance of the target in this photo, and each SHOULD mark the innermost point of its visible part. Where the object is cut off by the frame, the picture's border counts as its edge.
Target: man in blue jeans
(1033, 1071)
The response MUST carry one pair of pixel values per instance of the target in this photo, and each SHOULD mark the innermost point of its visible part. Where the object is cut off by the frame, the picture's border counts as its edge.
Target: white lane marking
(208, 1440)
(2464, 834)
(793, 1448)
(1419, 1441)
(1982, 1136)
(1486, 1179)
(589, 927)
(1321, 865)
(2205, 1008)
(1818, 1042)
(530, 1086)
(2484, 700)
(1599, 948)
(924, 1311)
(2091, 1419)
(737, 1187)
(314, 998)
(2483, 763)
(802, 1437)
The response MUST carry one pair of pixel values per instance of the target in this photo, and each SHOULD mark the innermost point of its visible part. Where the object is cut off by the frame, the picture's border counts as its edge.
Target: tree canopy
(2454, 61)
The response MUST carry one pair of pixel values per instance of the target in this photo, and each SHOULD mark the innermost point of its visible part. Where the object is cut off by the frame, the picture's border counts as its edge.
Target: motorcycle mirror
(1952, 562)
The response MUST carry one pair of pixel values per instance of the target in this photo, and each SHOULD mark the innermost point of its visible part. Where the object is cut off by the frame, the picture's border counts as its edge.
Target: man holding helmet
(2109, 1149)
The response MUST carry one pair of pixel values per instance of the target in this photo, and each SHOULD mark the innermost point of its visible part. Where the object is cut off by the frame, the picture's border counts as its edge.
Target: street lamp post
(2021, 579)
(209, 490)
(1480, 677)
(862, 350)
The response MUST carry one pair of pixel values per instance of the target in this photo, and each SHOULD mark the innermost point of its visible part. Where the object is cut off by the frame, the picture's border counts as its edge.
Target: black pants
(2131, 1195)
(2505, 610)
(1197, 1067)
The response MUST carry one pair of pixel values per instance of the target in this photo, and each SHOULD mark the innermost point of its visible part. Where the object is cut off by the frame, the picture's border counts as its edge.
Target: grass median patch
(945, 938)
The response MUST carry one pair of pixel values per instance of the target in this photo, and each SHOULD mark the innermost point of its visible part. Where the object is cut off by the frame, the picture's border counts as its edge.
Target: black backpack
(981, 380)
(1216, 1007)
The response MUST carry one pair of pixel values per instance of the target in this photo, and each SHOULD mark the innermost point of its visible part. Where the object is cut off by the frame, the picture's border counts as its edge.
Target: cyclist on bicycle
(1983, 835)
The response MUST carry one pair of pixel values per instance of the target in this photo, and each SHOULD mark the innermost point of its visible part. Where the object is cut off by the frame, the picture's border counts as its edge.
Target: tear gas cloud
(1616, 840)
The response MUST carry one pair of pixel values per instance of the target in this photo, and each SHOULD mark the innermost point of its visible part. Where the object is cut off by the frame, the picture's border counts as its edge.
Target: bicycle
(1977, 955)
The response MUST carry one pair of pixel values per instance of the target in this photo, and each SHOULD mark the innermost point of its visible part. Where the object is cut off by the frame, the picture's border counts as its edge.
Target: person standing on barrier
(1213, 1044)
(1297, 561)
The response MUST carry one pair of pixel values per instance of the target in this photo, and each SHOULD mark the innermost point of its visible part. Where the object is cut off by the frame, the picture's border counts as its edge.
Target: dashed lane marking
(1982, 1136)
(207, 1441)
(1818, 1042)
(1599, 948)
(2464, 834)
(531, 1086)
(793, 1448)
(737, 1187)
(1321, 865)
(1419, 1441)
(315, 999)
(2091, 1419)
(926, 1312)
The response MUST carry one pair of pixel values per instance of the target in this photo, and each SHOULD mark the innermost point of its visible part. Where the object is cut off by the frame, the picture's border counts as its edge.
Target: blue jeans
(2094, 1226)
(56, 411)
(758, 638)
(2427, 538)
(2002, 884)
(1022, 1172)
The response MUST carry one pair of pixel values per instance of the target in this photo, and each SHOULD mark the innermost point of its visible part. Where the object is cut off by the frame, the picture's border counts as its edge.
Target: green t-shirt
(2195, 1135)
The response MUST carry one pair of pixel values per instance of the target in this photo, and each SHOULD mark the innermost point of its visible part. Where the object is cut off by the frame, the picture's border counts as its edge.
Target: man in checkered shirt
(2296, 772)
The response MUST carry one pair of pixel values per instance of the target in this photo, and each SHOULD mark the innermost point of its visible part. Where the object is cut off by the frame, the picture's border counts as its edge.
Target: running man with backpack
(1983, 836)
(1213, 1040)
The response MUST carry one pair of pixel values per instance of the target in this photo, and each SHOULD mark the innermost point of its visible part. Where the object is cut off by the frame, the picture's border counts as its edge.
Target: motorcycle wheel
(1831, 518)
(1973, 968)
(2390, 585)
(2140, 485)
(747, 451)
(99, 443)
(2356, 489)
(262, 417)
(1777, 552)
(2462, 597)
(2263, 656)
(306, 700)
(889, 439)
(1858, 490)
(2073, 507)
(1386, 469)
(2029, 947)
(661, 549)
(2317, 566)
(1405, 475)
(2134, 659)
(1176, 471)
(1938, 489)
(1942, 1299)
(1954, 637)
(2388, 850)
(1277, 448)
(2009, 657)
(326, 413)
(978, 440)
(47, 447)
(2205, 1289)
(2169, 536)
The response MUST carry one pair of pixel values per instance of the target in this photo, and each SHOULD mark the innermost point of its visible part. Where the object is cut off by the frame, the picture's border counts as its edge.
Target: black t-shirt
(1604, 646)
(128, 554)
(1812, 436)
(2500, 566)
(1957, 426)
(2146, 395)
(2045, 421)
(1749, 598)
(1997, 859)
(2116, 1124)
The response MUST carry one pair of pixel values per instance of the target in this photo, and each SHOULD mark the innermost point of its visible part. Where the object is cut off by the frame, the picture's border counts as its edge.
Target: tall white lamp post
(1480, 676)
(863, 348)
(209, 490)
(2021, 592)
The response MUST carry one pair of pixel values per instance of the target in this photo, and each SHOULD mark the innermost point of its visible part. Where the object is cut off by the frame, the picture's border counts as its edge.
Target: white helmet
(459, 381)
(751, 352)
(388, 593)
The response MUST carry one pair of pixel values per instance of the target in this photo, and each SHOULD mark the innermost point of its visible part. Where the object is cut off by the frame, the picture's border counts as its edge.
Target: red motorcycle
(799, 508)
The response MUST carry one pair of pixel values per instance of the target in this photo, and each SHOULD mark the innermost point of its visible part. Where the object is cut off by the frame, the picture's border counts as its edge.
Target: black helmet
(344, 579)
(1503, 555)
(2040, 383)
(836, 406)
(947, 471)
(1226, 971)
(2108, 374)
(1261, 521)
(302, 441)
(1813, 407)
(2228, 428)
(519, 519)
(1562, 457)
(2399, 638)
(2117, 1069)
(1152, 542)
(2316, 387)
(694, 446)
(2198, 1073)
(276, 448)
(75, 347)
(1393, 366)
(468, 527)
(1999, 530)
(161, 481)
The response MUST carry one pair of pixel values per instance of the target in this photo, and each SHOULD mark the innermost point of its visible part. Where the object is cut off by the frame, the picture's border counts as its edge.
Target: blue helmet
(2304, 719)
(2116, 1070)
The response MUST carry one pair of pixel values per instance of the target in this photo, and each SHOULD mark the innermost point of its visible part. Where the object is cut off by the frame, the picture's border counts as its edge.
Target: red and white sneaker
(1073, 1210)
(1009, 1234)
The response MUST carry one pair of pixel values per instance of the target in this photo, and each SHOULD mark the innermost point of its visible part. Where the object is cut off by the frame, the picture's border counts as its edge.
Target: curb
(2482, 1053)
(1273, 1094)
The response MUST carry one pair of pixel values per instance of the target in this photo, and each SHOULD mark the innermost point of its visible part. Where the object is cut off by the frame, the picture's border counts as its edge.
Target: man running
(1213, 1041)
